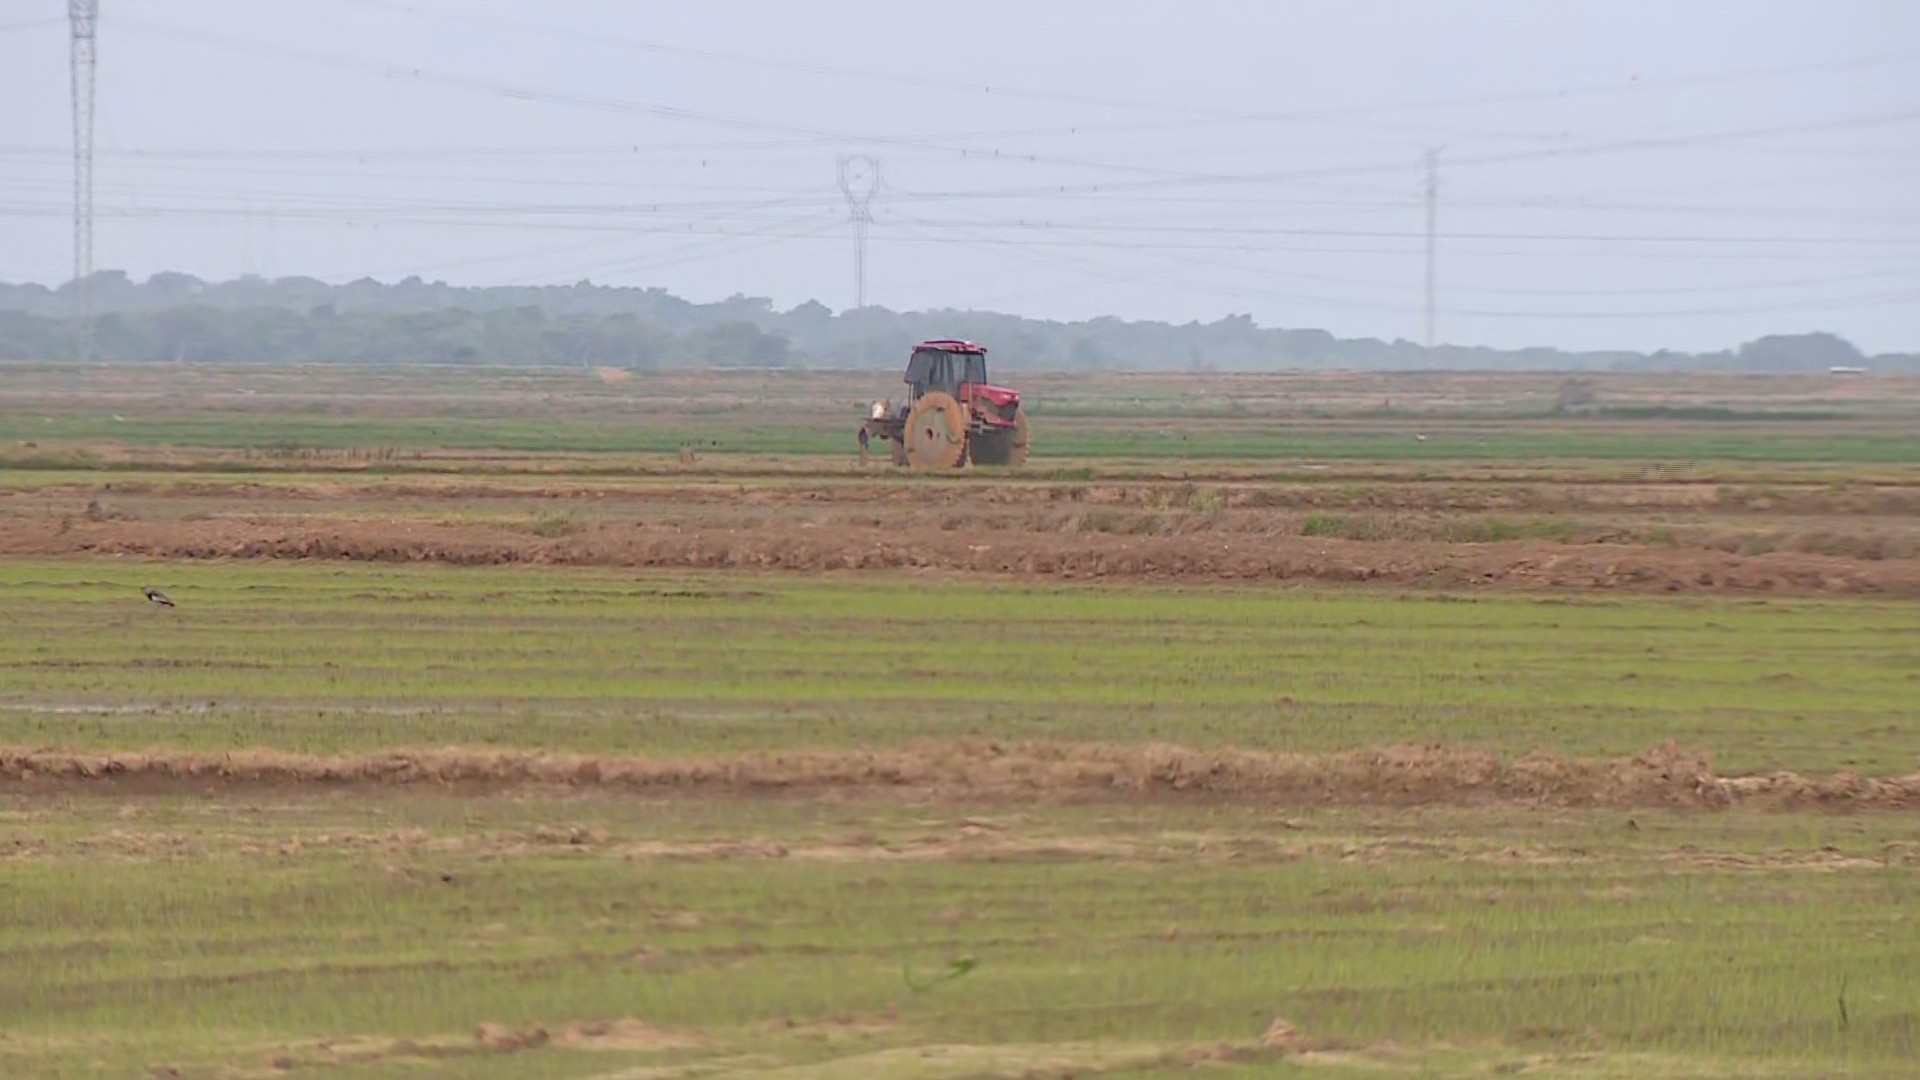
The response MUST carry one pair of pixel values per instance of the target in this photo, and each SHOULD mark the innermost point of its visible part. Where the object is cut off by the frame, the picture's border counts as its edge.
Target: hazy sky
(1623, 180)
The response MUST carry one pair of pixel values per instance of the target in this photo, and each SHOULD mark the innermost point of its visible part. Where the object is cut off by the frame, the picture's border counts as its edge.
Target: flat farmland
(1111, 418)
(329, 658)
(1781, 485)
(625, 725)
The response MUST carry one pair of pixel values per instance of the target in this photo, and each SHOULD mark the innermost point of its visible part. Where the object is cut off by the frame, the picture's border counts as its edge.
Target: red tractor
(952, 415)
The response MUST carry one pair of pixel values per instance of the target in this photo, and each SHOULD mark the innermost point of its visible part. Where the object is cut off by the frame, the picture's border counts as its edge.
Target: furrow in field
(1389, 776)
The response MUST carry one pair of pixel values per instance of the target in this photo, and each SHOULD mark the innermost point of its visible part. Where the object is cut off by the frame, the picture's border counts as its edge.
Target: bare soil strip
(1513, 564)
(1485, 490)
(1393, 776)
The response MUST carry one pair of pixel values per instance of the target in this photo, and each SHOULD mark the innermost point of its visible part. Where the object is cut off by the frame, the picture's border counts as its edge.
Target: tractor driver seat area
(933, 369)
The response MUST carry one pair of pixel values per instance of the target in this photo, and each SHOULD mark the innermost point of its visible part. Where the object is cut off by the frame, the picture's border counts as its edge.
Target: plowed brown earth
(1226, 557)
(1399, 775)
(1480, 491)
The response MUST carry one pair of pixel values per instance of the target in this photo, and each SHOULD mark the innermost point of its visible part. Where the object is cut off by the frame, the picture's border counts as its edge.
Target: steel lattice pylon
(84, 17)
(860, 182)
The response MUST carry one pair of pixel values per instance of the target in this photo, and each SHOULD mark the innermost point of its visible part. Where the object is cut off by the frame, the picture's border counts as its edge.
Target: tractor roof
(953, 345)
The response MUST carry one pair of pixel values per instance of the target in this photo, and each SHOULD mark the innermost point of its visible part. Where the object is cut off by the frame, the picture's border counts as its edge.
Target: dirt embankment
(1225, 557)
(1389, 776)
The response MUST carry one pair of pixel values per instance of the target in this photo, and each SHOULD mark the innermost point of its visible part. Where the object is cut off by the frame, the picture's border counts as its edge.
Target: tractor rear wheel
(1001, 445)
(994, 446)
(936, 434)
(1017, 453)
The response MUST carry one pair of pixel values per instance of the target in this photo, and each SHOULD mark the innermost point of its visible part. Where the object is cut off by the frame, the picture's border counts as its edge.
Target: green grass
(1108, 438)
(323, 657)
(364, 933)
(216, 934)
(1570, 441)
(440, 432)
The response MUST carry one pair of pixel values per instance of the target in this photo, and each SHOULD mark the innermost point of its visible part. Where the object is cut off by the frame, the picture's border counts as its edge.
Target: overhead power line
(1660, 142)
(143, 162)
(415, 212)
(1154, 177)
(30, 24)
(1346, 115)
(1675, 290)
(974, 227)
(819, 220)
(1837, 303)
(1410, 234)
(1105, 270)
(1240, 214)
(348, 217)
(359, 153)
(1002, 91)
(704, 247)
(614, 105)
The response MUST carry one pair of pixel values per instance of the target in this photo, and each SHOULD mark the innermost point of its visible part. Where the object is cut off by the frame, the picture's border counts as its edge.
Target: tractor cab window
(920, 368)
(933, 369)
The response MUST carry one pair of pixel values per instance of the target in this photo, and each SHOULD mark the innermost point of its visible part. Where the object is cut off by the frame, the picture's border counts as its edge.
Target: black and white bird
(157, 596)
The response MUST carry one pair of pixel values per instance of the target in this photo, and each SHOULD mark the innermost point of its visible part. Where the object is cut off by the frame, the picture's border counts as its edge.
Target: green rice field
(1312, 725)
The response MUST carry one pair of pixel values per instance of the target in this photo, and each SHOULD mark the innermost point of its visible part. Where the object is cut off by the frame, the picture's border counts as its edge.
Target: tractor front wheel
(936, 432)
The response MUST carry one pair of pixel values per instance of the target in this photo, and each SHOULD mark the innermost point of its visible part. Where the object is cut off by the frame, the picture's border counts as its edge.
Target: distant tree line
(174, 316)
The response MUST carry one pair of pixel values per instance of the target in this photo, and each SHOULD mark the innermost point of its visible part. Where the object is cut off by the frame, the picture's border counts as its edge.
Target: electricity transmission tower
(1433, 211)
(860, 182)
(83, 16)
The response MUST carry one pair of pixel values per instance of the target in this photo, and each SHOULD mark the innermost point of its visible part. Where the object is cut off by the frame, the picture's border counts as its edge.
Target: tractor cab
(958, 369)
(945, 365)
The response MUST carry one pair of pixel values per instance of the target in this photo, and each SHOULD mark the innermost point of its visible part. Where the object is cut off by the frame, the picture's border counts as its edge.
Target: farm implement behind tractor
(952, 414)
